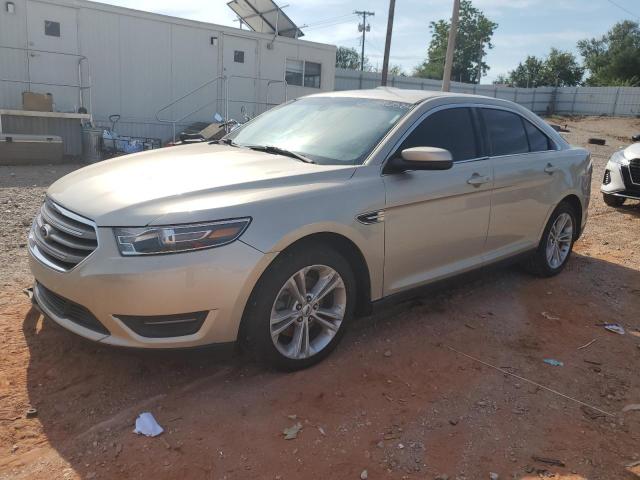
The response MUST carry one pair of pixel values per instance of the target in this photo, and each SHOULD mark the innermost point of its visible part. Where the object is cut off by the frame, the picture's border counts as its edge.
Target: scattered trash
(587, 344)
(636, 138)
(291, 433)
(538, 385)
(292, 417)
(28, 292)
(635, 333)
(493, 476)
(634, 468)
(387, 353)
(591, 413)
(471, 327)
(147, 425)
(548, 316)
(592, 362)
(548, 461)
(632, 407)
(597, 141)
(364, 475)
(614, 327)
(553, 362)
(321, 430)
(31, 412)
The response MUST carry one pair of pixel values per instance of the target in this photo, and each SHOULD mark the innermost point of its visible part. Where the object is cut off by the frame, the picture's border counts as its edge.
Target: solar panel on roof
(264, 16)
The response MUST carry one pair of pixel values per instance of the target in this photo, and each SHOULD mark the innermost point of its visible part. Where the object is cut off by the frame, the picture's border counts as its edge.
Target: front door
(436, 221)
(52, 34)
(239, 60)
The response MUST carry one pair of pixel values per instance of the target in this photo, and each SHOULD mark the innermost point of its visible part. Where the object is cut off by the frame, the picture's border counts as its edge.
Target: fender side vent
(371, 217)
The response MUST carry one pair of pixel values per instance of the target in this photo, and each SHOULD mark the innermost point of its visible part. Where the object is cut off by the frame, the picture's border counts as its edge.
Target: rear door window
(506, 132)
(538, 141)
(451, 129)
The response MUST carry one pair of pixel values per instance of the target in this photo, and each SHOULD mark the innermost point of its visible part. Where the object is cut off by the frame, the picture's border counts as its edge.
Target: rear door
(527, 178)
(436, 221)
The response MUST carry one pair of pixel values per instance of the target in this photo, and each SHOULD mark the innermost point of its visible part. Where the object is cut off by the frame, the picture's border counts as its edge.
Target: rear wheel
(613, 200)
(299, 309)
(556, 244)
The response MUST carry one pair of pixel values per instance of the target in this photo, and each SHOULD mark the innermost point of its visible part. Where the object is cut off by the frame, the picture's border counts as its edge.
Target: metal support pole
(451, 46)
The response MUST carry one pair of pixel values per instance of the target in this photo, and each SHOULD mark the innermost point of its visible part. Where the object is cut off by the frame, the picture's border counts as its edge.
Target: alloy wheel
(308, 311)
(559, 240)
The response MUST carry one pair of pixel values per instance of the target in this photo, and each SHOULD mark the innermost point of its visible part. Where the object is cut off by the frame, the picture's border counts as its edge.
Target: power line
(624, 9)
(331, 19)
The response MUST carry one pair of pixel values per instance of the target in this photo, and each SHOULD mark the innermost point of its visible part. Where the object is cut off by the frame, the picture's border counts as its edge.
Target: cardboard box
(37, 102)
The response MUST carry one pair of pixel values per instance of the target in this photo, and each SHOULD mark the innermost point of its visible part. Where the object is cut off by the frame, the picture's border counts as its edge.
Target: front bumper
(618, 181)
(216, 282)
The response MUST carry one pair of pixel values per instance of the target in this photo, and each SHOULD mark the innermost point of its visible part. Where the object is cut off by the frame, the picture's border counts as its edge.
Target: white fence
(614, 101)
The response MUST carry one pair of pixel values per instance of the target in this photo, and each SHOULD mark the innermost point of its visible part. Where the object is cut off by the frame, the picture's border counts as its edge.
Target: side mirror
(421, 158)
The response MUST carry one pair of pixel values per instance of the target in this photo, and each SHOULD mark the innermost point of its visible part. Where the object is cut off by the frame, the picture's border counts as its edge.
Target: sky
(525, 27)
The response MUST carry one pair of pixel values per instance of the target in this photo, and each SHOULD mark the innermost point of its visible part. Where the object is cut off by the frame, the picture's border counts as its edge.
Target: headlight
(179, 238)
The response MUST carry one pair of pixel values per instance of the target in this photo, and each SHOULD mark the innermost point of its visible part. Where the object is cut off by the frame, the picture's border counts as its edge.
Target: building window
(302, 73)
(293, 75)
(312, 74)
(51, 29)
(238, 56)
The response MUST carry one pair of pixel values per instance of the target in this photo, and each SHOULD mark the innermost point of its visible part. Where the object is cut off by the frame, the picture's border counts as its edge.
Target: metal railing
(225, 99)
(174, 121)
(32, 52)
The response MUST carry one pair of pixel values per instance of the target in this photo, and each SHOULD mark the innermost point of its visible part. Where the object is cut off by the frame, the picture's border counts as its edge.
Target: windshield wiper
(280, 151)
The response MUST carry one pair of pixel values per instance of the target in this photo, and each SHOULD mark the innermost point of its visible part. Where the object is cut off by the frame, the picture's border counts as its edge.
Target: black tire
(612, 200)
(255, 334)
(537, 264)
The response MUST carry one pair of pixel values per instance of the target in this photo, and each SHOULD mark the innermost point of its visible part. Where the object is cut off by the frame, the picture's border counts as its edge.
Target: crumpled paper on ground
(147, 425)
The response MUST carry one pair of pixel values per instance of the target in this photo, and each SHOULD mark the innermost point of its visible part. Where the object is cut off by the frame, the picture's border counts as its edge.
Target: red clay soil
(394, 399)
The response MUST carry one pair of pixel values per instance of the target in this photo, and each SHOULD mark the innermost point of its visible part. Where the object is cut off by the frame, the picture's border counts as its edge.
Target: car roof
(396, 94)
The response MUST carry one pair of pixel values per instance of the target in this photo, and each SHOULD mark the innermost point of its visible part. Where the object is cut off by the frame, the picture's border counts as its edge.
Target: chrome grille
(634, 170)
(60, 238)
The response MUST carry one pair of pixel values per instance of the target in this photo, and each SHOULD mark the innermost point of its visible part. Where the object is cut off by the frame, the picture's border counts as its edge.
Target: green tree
(473, 39)
(613, 59)
(397, 71)
(350, 58)
(558, 68)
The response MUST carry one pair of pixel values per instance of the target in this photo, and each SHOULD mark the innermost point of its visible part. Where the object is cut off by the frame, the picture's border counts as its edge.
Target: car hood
(632, 151)
(185, 183)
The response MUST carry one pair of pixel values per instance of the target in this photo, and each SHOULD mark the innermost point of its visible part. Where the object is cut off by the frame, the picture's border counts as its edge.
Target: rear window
(451, 129)
(506, 132)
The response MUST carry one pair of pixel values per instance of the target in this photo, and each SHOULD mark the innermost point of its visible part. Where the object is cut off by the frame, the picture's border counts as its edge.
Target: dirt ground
(395, 399)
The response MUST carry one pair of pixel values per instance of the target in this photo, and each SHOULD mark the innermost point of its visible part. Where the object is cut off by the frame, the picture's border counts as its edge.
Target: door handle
(476, 180)
(550, 169)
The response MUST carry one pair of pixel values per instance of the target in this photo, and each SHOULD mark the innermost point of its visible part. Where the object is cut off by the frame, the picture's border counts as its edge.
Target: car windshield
(325, 130)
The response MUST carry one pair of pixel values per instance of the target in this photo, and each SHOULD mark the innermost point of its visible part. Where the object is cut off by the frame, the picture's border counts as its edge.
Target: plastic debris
(614, 327)
(548, 316)
(364, 475)
(291, 433)
(31, 412)
(147, 425)
(632, 407)
(553, 362)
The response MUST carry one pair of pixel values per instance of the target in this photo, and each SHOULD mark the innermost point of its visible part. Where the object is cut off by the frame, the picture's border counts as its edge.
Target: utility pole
(364, 28)
(451, 46)
(387, 43)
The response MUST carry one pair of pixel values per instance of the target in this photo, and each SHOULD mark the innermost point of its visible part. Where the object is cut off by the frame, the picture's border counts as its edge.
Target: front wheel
(556, 244)
(300, 307)
(613, 200)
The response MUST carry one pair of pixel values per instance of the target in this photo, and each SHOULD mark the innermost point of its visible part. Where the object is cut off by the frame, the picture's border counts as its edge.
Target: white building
(137, 62)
